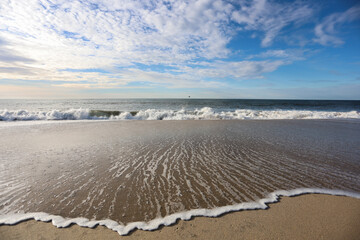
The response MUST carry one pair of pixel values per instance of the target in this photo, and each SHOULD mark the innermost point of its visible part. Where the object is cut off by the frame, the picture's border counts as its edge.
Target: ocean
(93, 162)
(175, 109)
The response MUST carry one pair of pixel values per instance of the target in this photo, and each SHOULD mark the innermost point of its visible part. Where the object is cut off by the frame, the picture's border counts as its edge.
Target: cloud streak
(271, 17)
(110, 44)
(326, 31)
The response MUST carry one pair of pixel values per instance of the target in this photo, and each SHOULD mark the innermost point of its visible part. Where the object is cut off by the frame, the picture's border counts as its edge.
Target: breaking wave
(205, 113)
(60, 222)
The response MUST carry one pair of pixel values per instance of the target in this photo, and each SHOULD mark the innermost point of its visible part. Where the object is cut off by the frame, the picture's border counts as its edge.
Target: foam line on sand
(61, 222)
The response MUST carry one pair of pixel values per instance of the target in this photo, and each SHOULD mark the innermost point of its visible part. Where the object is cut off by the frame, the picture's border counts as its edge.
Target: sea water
(175, 109)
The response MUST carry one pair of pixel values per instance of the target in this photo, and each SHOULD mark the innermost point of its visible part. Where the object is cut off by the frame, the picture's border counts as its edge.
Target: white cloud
(270, 17)
(285, 54)
(326, 30)
(117, 33)
(238, 70)
(41, 38)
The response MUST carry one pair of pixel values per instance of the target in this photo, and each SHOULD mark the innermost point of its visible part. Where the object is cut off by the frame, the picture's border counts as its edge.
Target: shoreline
(155, 224)
(308, 216)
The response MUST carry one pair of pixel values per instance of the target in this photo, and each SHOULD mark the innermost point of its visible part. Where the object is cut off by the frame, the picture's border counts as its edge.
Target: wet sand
(141, 170)
(311, 216)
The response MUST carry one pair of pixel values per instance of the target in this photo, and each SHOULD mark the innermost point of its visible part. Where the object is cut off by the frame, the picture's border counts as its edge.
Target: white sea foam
(205, 113)
(60, 222)
(24, 115)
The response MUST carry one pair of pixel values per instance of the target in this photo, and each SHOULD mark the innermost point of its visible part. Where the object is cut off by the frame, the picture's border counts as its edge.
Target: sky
(260, 49)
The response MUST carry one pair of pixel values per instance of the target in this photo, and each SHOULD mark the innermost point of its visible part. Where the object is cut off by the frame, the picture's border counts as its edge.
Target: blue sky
(205, 49)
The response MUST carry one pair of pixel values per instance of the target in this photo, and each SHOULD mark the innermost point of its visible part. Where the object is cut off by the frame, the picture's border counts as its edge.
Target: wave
(24, 115)
(61, 222)
(205, 113)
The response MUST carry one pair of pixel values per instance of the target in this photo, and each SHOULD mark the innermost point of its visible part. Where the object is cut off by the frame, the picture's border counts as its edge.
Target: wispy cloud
(109, 44)
(326, 31)
(116, 33)
(288, 55)
(271, 17)
(108, 35)
(9, 56)
(15, 70)
(236, 70)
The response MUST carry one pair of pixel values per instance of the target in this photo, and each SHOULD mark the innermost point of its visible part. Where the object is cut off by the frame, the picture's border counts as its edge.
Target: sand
(132, 171)
(311, 216)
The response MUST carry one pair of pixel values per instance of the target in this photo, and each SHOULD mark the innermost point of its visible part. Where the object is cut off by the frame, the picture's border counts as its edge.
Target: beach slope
(310, 216)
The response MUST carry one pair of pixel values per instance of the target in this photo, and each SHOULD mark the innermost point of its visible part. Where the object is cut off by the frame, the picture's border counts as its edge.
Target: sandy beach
(311, 216)
(125, 173)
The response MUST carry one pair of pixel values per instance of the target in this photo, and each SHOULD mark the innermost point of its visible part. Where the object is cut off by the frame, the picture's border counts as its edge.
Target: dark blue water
(177, 104)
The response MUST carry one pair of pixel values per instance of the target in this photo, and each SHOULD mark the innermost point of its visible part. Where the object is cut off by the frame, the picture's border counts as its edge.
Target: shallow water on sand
(140, 170)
